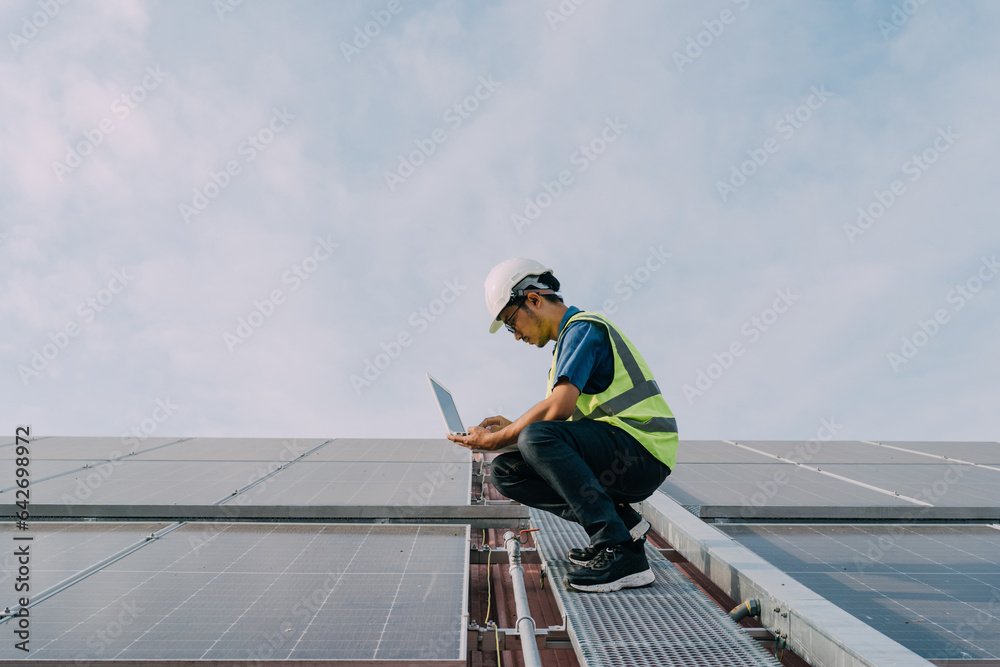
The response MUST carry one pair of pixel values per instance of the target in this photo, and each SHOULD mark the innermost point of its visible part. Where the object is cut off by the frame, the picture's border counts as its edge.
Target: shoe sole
(638, 531)
(637, 580)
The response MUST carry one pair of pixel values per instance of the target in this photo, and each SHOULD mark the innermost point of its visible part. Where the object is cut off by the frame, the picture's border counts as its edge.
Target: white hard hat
(502, 280)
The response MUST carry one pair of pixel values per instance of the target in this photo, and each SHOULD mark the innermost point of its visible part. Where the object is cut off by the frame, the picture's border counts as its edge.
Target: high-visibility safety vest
(633, 401)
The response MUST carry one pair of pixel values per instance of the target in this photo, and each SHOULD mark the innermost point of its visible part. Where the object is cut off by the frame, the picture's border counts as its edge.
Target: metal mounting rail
(670, 622)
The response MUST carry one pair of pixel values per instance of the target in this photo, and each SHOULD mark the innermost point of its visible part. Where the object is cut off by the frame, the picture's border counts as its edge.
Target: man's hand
(494, 424)
(478, 438)
(498, 432)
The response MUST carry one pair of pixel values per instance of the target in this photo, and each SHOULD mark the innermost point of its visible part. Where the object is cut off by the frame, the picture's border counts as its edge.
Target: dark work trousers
(585, 471)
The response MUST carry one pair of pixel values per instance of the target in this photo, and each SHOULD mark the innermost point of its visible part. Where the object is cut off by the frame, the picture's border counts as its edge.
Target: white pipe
(525, 624)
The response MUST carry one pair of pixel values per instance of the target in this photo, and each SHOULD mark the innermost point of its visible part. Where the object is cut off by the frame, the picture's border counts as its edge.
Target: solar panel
(767, 485)
(818, 452)
(976, 452)
(365, 483)
(267, 591)
(233, 449)
(81, 447)
(940, 484)
(715, 451)
(132, 482)
(411, 450)
(61, 549)
(933, 588)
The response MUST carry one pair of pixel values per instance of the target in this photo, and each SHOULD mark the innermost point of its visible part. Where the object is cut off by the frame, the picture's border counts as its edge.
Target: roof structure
(372, 552)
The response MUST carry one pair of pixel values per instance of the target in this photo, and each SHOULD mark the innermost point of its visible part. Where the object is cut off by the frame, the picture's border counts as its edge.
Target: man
(603, 437)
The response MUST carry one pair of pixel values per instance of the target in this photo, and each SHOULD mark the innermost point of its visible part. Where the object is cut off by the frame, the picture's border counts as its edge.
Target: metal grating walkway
(670, 622)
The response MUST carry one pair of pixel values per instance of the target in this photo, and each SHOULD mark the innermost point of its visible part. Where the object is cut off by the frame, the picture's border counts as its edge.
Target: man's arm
(558, 406)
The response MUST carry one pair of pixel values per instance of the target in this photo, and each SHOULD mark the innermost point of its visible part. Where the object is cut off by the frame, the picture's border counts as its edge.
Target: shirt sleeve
(585, 357)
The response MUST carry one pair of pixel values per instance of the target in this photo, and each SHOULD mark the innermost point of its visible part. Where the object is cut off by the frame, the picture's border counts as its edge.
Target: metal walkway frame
(670, 622)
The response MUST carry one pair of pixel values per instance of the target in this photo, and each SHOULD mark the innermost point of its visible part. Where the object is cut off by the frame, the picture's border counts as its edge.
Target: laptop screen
(448, 409)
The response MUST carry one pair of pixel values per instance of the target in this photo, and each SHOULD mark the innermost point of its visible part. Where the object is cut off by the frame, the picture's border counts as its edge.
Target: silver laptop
(448, 409)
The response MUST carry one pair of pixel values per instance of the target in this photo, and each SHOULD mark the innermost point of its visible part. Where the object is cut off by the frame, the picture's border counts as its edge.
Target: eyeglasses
(507, 322)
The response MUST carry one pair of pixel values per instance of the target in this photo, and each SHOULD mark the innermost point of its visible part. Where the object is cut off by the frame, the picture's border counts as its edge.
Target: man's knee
(536, 434)
(503, 470)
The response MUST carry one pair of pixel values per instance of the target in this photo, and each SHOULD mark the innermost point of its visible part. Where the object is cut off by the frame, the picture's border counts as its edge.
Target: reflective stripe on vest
(633, 401)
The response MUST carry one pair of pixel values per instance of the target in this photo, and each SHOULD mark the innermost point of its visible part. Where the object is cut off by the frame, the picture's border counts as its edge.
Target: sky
(271, 219)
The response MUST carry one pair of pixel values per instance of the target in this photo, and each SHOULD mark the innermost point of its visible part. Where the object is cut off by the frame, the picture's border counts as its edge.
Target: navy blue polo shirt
(585, 357)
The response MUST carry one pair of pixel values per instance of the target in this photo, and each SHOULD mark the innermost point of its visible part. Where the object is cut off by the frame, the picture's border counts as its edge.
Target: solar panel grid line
(288, 566)
(312, 620)
(919, 562)
(43, 542)
(33, 439)
(934, 456)
(841, 477)
(186, 600)
(272, 474)
(916, 612)
(161, 446)
(95, 568)
(713, 484)
(91, 571)
(395, 596)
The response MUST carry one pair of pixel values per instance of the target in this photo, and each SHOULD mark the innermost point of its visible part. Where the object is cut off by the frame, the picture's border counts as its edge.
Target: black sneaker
(613, 569)
(585, 555)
